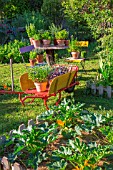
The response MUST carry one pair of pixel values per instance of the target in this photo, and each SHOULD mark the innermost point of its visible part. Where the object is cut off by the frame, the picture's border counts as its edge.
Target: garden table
(50, 59)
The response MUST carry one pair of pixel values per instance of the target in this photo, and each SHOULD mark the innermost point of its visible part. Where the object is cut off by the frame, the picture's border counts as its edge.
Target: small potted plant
(32, 57)
(36, 40)
(46, 38)
(31, 31)
(39, 75)
(39, 56)
(74, 48)
(61, 36)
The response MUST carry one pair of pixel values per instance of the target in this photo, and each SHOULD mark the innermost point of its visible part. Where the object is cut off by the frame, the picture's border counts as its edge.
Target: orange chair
(58, 84)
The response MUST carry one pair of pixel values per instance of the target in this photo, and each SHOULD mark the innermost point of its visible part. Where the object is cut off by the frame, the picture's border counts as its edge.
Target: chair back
(83, 43)
(26, 49)
(26, 83)
(61, 82)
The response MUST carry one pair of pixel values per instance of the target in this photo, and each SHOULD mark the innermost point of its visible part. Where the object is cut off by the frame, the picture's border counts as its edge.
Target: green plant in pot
(53, 29)
(40, 56)
(36, 40)
(32, 57)
(46, 38)
(61, 36)
(39, 75)
(74, 48)
(31, 31)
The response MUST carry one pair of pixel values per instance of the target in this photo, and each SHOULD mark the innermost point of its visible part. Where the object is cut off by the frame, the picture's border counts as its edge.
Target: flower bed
(65, 137)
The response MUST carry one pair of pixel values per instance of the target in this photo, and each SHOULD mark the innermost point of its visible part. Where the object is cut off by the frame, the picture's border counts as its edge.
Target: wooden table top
(52, 47)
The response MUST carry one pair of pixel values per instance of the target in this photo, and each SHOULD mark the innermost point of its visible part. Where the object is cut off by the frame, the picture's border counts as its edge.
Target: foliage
(53, 29)
(31, 30)
(75, 21)
(32, 141)
(37, 36)
(76, 150)
(46, 35)
(11, 8)
(32, 54)
(52, 10)
(62, 34)
(40, 73)
(11, 50)
(27, 17)
(73, 45)
(106, 71)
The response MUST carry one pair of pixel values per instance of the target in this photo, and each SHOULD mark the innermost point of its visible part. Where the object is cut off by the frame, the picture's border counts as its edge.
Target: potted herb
(32, 57)
(31, 31)
(36, 40)
(40, 77)
(39, 56)
(74, 48)
(61, 36)
(46, 38)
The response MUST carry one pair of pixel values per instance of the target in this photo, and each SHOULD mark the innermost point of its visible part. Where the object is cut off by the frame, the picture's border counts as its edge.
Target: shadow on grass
(93, 103)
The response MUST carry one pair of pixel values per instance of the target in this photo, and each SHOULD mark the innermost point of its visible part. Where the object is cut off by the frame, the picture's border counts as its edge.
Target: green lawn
(12, 113)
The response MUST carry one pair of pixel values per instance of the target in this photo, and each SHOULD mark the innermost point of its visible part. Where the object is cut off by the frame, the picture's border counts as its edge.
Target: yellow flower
(86, 163)
(60, 122)
(77, 168)
(9, 88)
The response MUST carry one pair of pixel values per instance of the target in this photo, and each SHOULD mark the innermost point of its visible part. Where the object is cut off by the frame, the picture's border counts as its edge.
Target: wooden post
(12, 78)
(93, 88)
(109, 91)
(100, 89)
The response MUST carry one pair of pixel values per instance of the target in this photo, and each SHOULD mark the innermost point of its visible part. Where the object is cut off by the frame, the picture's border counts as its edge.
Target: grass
(12, 113)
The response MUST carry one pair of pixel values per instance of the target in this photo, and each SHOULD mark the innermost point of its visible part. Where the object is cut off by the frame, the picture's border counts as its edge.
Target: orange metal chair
(58, 84)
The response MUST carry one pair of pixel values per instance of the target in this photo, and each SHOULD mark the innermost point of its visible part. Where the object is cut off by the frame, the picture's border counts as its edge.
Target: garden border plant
(78, 152)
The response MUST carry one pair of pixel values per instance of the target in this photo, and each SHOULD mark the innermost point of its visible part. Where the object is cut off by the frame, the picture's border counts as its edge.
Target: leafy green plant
(39, 74)
(74, 45)
(80, 155)
(31, 30)
(37, 36)
(46, 35)
(31, 142)
(32, 54)
(62, 34)
(106, 71)
(54, 29)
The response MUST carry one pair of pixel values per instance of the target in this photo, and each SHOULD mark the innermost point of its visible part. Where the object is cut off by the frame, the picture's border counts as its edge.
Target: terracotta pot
(39, 58)
(46, 42)
(60, 42)
(41, 86)
(31, 40)
(66, 42)
(75, 54)
(32, 62)
(36, 43)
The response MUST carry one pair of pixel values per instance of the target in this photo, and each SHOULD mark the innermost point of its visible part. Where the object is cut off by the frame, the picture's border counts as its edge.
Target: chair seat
(76, 60)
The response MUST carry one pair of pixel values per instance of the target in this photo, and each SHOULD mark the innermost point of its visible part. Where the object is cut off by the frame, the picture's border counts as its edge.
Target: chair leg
(58, 101)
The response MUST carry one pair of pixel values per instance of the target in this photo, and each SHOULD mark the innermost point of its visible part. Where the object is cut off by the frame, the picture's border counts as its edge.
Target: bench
(57, 85)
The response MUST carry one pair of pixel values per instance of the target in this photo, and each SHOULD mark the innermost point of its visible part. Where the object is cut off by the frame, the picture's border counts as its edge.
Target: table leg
(83, 65)
(50, 57)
